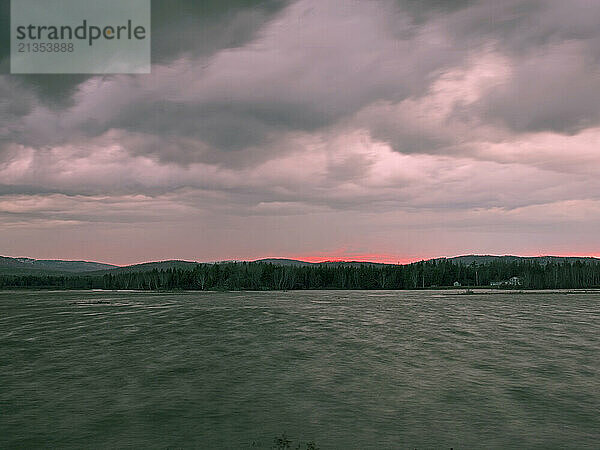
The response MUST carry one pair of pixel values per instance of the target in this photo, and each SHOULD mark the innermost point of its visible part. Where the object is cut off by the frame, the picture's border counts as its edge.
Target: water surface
(360, 369)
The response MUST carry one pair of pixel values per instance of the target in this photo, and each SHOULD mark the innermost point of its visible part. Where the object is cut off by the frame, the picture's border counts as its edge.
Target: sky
(383, 130)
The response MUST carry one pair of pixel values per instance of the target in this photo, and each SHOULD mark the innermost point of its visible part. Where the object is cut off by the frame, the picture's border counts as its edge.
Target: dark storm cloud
(554, 51)
(15, 103)
(238, 84)
(205, 131)
(179, 27)
(557, 90)
(198, 28)
(522, 26)
(54, 89)
(326, 64)
(423, 10)
(4, 36)
(325, 67)
(8, 189)
(310, 66)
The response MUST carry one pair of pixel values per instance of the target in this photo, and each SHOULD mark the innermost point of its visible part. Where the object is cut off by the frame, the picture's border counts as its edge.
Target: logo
(80, 36)
(85, 32)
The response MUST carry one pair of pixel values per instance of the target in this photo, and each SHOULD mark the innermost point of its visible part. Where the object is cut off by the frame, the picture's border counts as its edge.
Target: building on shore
(512, 281)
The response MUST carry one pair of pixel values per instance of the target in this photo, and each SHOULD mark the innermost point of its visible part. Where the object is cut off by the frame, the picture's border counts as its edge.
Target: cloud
(347, 171)
(179, 27)
(556, 89)
(368, 119)
(311, 65)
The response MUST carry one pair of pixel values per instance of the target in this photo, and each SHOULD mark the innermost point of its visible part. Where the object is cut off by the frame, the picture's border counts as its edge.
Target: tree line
(267, 276)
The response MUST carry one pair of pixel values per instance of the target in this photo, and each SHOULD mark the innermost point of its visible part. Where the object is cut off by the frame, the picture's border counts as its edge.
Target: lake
(345, 369)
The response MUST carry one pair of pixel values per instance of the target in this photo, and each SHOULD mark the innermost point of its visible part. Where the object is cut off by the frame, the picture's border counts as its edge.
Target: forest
(267, 276)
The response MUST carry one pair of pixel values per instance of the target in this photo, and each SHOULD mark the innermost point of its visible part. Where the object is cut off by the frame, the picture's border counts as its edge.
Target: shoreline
(448, 291)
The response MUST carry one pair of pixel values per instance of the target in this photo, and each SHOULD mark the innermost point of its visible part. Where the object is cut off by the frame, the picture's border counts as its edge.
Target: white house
(513, 281)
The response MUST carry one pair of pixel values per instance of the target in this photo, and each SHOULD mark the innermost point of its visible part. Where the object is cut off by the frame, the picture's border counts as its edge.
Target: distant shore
(442, 291)
(489, 276)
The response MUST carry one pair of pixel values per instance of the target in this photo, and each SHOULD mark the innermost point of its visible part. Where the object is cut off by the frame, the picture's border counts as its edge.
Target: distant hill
(484, 259)
(295, 262)
(145, 267)
(30, 266)
(283, 262)
(464, 259)
(352, 263)
(55, 266)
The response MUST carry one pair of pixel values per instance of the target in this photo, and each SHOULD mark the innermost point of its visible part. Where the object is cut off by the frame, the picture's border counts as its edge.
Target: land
(489, 271)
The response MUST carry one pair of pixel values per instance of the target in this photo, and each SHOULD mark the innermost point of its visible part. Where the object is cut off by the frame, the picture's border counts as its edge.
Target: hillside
(54, 266)
(283, 262)
(484, 259)
(146, 267)
(30, 266)
(295, 262)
